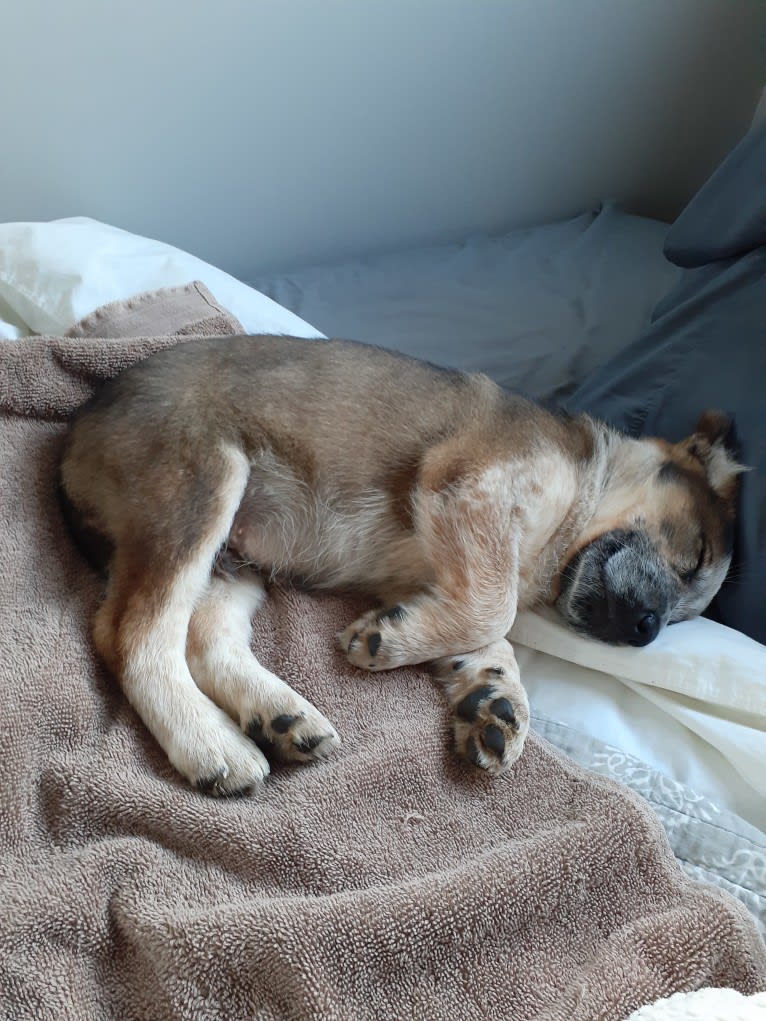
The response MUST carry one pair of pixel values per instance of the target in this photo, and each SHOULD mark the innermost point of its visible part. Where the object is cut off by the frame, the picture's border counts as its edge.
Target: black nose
(629, 623)
(645, 627)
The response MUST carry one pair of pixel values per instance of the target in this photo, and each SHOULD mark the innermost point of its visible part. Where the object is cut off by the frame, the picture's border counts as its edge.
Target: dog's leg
(155, 580)
(490, 705)
(470, 537)
(283, 724)
(470, 533)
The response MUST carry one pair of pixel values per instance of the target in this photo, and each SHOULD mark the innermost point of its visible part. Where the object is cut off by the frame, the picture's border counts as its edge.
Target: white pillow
(53, 274)
(707, 676)
(10, 332)
(697, 658)
(11, 326)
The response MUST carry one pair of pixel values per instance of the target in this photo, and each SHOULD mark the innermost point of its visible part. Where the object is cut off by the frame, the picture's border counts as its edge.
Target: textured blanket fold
(388, 882)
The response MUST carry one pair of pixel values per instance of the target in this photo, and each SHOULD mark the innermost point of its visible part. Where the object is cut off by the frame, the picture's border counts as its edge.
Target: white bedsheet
(692, 705)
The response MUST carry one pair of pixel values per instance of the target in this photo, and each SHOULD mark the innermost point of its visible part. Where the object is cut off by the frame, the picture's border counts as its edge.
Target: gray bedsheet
(535, 309)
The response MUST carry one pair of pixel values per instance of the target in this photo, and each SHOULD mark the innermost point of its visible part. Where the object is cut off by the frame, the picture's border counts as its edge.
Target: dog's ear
(711, 444)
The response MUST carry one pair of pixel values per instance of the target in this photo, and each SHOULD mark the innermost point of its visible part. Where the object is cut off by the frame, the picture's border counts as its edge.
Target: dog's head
(659, 545)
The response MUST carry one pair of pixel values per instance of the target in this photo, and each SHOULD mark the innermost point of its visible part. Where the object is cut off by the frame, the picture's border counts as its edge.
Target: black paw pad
(395, 613)
(468, 708)
(214, 785)
(472, 752)
(256, 733)
(308, 744)
(373, 642)
(503, 709)
(209, 784)
(281, 724)
(493, 740)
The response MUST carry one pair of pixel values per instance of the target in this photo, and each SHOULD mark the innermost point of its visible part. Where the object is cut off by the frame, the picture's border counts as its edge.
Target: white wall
(267, 133)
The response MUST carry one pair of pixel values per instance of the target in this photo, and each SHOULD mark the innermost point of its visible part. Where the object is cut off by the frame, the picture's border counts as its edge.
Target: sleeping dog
(212, 467)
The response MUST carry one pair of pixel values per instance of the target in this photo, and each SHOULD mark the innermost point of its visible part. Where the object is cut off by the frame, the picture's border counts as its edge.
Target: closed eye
(688, 576)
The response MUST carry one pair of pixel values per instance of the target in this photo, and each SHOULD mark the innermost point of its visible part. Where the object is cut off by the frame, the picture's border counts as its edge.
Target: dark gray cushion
(727, 217)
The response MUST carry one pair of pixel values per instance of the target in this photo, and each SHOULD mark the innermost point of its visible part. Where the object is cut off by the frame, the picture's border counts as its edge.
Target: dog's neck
(609, 477)
(608, 465)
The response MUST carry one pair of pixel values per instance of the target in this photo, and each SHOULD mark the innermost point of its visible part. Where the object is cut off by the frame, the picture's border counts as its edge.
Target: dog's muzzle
(618, 589)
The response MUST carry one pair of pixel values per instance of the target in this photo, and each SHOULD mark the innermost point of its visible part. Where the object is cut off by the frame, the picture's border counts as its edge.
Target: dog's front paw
(370, 642)
(488, 729)
(294, 731)
(490, 705)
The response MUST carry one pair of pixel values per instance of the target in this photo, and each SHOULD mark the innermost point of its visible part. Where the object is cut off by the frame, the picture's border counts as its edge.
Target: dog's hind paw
(217, 758)
(490, 705)
(292, 733)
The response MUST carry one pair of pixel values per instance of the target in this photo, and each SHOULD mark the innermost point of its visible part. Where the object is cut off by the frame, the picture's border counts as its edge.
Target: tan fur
(341, 466)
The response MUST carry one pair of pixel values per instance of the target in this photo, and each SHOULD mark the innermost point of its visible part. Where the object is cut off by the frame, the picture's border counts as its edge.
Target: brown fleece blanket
(390, 882)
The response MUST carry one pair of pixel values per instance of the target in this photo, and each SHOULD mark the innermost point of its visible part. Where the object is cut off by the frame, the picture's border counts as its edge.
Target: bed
(538, 311)
(683, 722)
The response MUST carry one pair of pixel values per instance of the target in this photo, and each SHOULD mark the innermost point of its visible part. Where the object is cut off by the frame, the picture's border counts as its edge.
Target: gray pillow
(536, 309)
